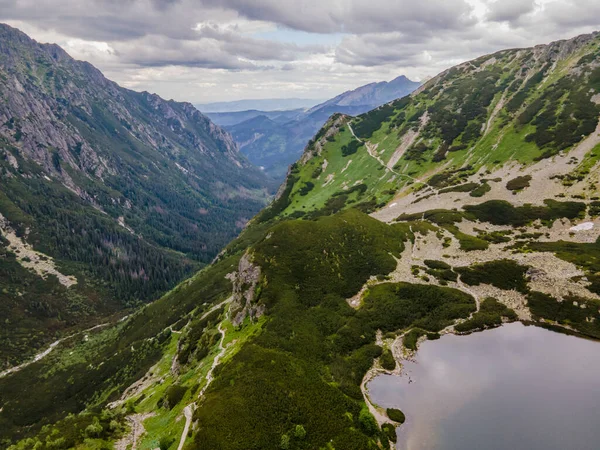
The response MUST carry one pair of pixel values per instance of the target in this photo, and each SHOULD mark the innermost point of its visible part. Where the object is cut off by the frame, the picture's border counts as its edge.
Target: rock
(244, 289)
(585, 226)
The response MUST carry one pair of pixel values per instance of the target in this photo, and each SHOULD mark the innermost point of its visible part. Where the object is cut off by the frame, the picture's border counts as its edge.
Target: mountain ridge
(122, 190)
(437, 213)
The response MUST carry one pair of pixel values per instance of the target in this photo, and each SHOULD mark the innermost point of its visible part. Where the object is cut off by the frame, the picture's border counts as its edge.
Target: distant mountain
(372, 95)
(275, 148)
(108, 197)
(225, 119)
(266, 104)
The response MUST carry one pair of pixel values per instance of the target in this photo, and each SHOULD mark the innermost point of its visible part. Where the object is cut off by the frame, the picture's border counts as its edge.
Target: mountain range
(108, 197)
(275, 139)
(470, 203)
(270, 104)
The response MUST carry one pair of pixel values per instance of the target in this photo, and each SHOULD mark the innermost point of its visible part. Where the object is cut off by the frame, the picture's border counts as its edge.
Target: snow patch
(585, 226)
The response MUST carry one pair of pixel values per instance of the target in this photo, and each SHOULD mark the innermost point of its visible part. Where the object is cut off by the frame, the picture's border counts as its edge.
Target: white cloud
(211, 50)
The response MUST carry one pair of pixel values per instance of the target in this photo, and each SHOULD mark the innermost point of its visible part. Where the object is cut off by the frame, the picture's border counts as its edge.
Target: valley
(275, 139)
(108, 197)
(463, 214)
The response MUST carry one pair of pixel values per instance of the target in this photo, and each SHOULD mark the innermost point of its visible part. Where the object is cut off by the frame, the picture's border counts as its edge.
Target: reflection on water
(514, 387)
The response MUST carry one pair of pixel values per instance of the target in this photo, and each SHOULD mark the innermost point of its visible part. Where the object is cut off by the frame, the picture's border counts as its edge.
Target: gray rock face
(244, 291)
(53, 106)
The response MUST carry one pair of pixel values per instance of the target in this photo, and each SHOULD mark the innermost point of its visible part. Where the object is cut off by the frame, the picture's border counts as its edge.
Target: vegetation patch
(582, 314)
(411, 338)
(396, 415)
(390, 431)
(481, 190)
(351, 148)
(503, 273)
(435, 264)
(466, 187)
(491, 314)
(500, 212)
(387, 360)
(518, 183)
(313, 350)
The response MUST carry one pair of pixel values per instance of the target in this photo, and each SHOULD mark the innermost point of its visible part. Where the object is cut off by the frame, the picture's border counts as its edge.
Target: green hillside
(469, 204)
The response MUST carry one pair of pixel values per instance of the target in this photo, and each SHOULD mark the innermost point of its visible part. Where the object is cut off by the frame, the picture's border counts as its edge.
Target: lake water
(514, 387)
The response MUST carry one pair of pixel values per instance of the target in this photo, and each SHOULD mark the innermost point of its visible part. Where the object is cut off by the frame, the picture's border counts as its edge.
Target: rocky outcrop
(68, 118)
(245, 291)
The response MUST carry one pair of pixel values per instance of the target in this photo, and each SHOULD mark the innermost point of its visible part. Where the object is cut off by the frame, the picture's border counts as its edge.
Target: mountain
(266, 104)
(472, 202)
(108, 197)
(372, 95)
(225, 119)
(275, 148)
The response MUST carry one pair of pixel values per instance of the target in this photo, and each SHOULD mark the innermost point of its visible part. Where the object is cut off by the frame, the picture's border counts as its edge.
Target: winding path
(188, 411)
(46, 352)
(371, 151)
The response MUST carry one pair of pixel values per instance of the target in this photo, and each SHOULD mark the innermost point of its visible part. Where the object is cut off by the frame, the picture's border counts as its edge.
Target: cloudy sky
(215, 50)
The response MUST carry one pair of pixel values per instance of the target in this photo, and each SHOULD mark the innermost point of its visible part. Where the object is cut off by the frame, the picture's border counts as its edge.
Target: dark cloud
(355, 16)
(232, 41)
(156, 51)
(110, 20)
(509, 10)
(574, 13)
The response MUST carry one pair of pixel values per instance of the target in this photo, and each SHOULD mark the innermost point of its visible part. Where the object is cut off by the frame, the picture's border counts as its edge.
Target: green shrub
(94, 430)
(467, 187)
(519, 183)
(387, 360)
(284, 444)
(395, 306)
(299, 432)
(435, 264)
(173, 395)
(579, 313)
(390, 431)
(368, 422)
(165, 442)
(396, 415)
(489, 315)
(351, 148)
(481, 190)
(410, 339)
(500, 212)
(503, 273)
(306, 188)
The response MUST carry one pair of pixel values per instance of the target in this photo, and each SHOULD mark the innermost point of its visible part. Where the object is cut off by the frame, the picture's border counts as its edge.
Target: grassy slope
(303, 362)
(506, 139)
